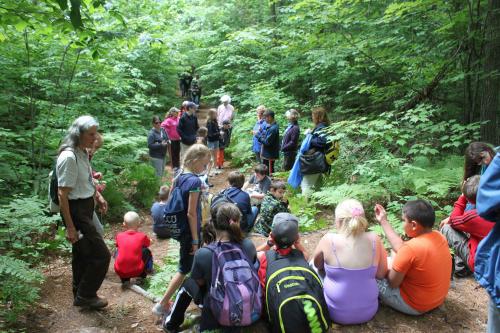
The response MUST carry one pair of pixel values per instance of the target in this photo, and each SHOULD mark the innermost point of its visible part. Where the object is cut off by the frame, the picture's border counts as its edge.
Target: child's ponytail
(350, 217)
(228, 219)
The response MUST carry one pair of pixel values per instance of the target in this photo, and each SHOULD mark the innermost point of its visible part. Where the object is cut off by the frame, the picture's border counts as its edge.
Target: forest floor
(465, 308)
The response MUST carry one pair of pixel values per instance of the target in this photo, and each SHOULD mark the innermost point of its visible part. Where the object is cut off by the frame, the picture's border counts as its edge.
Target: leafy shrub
(156, 283)
(308, 215)
(115, 196)
(19, 288)
(28, 234)
(26, 230)
(144, 183)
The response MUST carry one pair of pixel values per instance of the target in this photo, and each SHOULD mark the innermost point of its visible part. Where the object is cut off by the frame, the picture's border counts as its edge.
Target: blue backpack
(235, 294)
(175, 214)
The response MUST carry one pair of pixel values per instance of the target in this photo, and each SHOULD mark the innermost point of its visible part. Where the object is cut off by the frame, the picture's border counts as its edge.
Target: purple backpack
(235, 294)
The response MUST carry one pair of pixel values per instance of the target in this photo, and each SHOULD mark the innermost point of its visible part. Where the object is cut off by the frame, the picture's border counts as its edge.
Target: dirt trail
(463, 311)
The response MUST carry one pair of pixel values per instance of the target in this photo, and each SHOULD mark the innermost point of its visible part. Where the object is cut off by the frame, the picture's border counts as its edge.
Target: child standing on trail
(133, 257)
(273, 203)
(196, 161)
(213, 136)
(225, 138)
(465, 229)
(419, 275)
(169, 125)
(157, 214)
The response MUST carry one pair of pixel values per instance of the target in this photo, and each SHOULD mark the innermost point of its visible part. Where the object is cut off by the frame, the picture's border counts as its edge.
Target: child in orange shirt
(419, 277)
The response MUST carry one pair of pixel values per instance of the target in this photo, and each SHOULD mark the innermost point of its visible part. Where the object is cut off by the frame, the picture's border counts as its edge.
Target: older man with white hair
(225, 111)
(77, 195)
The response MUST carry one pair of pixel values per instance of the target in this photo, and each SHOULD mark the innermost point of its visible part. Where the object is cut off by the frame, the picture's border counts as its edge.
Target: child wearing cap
(272, 204)
(133, 257)
(290, 285)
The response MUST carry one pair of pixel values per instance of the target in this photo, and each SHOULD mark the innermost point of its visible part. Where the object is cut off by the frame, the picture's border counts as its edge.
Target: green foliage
(27, 231)
(164, 272)
(144, 182)
(19, 288)
(27, 236)
(117, 203)
(308, 214)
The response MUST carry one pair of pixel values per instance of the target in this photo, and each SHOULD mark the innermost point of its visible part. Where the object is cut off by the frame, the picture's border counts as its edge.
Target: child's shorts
(392, 297)
(213, 145)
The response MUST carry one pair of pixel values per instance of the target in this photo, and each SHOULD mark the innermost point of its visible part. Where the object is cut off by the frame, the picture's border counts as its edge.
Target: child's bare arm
(395, 278)
(318, 258)
(392, 236)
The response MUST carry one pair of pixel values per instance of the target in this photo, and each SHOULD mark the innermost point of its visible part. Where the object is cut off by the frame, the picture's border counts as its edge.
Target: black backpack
(294, 295)
(54, 186)
(219, 199)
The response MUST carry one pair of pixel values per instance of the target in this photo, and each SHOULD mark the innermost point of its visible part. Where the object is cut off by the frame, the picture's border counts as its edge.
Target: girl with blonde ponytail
(351, 260)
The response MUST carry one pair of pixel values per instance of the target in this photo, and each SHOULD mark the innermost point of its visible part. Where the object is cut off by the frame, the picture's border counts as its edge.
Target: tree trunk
(490, 101)
(272, 8)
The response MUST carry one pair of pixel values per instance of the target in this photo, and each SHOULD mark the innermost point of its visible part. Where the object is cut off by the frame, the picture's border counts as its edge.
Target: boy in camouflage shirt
(272, 204)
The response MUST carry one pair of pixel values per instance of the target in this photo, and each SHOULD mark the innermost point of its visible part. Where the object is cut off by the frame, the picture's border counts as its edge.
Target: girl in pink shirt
(170, 127)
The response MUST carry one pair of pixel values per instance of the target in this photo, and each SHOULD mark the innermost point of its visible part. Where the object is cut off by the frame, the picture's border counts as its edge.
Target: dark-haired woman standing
(157, 144)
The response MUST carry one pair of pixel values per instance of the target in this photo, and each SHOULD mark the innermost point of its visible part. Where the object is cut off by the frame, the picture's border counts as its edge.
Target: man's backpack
(294, 295)
(235, 294)
(54, 187)
(174, 213)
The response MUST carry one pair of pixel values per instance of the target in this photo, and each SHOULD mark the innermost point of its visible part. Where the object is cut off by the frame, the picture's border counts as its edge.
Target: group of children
(350, 268)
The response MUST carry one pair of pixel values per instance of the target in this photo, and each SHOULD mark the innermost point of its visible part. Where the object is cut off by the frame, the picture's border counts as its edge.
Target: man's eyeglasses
(157, 122)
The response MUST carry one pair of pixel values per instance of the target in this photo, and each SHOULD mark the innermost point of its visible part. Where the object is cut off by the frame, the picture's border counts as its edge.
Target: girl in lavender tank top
(351, 260)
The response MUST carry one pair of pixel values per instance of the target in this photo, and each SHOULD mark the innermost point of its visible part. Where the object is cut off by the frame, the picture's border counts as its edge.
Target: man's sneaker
(91, 302)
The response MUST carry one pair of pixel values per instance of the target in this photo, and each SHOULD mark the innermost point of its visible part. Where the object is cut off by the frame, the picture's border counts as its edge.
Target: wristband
(270, 243)
(195, 242)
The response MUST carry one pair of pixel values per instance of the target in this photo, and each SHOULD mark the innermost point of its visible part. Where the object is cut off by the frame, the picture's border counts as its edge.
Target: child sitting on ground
(419, 274)
(465, 229)
(259, 184)
(157, 214)
(283, 259)
(133, 257)
(351, 260)
(273, 203)
(241, 199)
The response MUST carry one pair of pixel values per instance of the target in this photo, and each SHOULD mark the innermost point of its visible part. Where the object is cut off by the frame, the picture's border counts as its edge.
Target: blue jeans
(250, 219)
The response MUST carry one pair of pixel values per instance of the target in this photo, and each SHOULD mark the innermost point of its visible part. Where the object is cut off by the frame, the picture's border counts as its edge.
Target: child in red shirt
(465, 229)
(133, 257)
